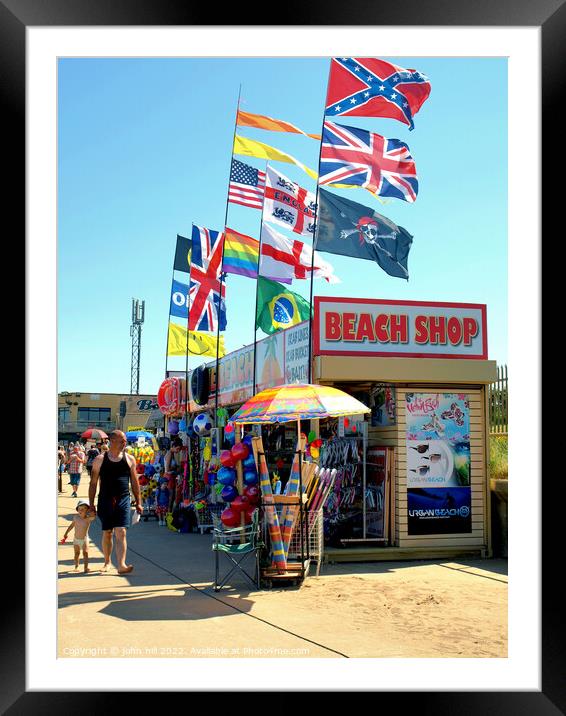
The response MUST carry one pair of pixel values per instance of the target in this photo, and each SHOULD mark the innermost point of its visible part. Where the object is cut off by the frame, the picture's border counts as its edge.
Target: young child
(81, 522)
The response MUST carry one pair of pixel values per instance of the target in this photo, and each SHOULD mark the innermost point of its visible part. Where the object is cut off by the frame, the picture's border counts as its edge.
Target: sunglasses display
(420, 448)
(422, 470)
(435, 457)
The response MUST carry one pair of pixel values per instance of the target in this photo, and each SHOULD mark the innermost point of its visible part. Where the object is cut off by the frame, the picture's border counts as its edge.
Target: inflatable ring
(171, 396)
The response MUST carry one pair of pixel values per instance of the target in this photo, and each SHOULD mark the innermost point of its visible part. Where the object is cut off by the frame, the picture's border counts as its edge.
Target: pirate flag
(350, 229)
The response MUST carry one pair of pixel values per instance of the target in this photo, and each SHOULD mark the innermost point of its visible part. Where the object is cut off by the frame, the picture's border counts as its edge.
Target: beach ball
(249, 515)
(312, 436)
(240, 451)
(229, 493)
(183, 426)
(248, 440)
(229, 434)
(202, 424)
(227, 459)
(226, 476)
(173, 427)
(252, 493)
(240, 503)
(249, 462)
(230, 518)
(250, 478)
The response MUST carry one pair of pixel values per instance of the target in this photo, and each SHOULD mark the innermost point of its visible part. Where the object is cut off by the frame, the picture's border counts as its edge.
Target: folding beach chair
(236, 543)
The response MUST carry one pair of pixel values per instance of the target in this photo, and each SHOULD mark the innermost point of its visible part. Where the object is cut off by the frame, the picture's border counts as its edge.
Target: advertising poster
(270, 361)
(297, 353)
(439, 511)
(438, 459)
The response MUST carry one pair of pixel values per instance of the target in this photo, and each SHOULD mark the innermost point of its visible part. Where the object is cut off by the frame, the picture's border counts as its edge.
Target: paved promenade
(167, 608)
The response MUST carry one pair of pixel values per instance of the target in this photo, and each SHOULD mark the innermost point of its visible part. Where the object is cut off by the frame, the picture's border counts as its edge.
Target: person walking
(92, 453)
(116, 472)
(61, 461)
(76, 462)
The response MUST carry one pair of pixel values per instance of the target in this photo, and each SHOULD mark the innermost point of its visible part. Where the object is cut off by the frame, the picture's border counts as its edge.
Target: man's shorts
(114, 511)
(75, 478)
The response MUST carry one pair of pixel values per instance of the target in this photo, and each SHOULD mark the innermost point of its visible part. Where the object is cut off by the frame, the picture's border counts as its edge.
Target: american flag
(356, 157)
(247, 185)
(206, 306)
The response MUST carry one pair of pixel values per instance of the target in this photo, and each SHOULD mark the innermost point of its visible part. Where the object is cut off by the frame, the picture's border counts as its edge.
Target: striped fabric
(241, 254)
(289, 512)
(247, 185)
(277, 548)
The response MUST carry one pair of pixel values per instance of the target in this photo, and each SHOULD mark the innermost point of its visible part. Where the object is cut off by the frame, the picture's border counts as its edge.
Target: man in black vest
(116, 471)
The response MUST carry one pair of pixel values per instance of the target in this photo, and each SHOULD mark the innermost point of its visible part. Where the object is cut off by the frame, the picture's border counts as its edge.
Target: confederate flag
(370, 87)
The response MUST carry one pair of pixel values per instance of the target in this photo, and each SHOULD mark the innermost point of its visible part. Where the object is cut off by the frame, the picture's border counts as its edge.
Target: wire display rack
(315, 540)
(205, 516)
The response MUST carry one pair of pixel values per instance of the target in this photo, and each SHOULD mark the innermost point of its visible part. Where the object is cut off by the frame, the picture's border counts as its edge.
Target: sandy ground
(167, 607)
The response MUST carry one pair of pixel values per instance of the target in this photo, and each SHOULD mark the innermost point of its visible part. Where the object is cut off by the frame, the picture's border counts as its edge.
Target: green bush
(498, 457)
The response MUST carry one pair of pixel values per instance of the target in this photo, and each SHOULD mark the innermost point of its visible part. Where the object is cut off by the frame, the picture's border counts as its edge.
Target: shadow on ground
(138, 606)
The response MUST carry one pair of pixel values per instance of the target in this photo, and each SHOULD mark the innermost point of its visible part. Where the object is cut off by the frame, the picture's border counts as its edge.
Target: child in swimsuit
(80, 523)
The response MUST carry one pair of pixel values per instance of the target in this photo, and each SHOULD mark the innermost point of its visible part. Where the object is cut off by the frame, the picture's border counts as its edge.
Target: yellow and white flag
(200, 344)
(251, 148)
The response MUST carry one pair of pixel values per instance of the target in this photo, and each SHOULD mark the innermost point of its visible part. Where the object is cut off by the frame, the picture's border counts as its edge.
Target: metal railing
(498, 403)
(79, 426)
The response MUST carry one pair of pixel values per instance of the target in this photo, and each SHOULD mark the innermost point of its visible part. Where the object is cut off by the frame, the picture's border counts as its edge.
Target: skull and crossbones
(366, 227)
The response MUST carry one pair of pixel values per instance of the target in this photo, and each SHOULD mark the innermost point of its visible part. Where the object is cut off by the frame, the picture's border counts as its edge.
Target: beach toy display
(230, 434)
(227, 459)
(230, 518)
(171, 396)
(226, 476)
(202, 424)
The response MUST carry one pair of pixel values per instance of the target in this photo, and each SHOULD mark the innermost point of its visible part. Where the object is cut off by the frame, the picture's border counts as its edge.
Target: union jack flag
(370, 87)
(356, 157)
(206, 305)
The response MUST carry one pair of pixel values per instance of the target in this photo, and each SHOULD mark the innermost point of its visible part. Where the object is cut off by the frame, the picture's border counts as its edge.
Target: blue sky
(144, 151)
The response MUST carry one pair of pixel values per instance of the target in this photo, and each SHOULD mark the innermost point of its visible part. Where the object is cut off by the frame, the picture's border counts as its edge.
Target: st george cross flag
(370, 87)
(182, 254)
(288, 204)
(247, 185)
(356, 157)
(284, 259)
(206, 306)
(350, 229)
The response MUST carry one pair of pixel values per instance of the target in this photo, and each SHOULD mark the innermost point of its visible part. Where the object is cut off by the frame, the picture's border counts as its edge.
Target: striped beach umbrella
(297, 401)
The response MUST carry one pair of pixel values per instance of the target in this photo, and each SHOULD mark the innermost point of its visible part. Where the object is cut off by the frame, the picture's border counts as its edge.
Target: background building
(79, 411)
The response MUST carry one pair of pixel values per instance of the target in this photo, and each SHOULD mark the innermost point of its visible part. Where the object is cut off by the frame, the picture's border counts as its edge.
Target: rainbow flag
(241, 254)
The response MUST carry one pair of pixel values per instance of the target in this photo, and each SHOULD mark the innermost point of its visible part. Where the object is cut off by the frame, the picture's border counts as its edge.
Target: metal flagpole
(222, 266)
(169, 323)
(257, 278)
(187, 346)
(315, 233)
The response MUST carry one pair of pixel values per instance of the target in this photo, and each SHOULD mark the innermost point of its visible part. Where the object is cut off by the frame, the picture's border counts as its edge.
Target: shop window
(95, 415)
(64, 415)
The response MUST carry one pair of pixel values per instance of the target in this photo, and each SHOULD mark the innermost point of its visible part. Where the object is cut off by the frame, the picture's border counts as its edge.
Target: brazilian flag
(277, 307)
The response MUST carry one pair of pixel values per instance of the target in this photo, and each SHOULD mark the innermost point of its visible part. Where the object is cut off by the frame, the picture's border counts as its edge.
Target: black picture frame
(550, 16)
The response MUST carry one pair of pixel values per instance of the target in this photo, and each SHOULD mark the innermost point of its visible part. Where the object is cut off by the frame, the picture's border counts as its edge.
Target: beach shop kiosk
(413, 475)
